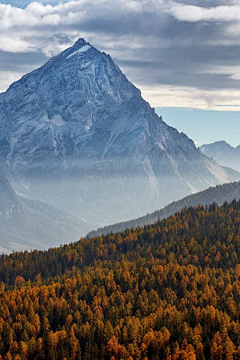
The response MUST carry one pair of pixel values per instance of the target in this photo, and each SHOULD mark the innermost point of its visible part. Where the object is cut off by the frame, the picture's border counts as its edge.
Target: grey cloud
(155, 42)
(171, 73)
(11, 62)
(207, 3)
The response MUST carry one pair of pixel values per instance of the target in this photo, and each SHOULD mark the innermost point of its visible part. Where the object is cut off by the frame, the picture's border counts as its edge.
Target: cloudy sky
(180, 53)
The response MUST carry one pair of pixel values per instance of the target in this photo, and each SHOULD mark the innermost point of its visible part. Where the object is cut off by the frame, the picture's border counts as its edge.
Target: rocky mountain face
(77, 134)
(223, 153)
(29, 224)
(218, 194)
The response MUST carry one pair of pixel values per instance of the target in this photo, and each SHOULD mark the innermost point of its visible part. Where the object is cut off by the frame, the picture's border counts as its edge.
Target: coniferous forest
(165, 291)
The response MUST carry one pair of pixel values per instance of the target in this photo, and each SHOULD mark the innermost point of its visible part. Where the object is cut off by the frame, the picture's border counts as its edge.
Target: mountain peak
(81, 42)
(223, 153)
(223, 143)
(86, 137)
(218, 144)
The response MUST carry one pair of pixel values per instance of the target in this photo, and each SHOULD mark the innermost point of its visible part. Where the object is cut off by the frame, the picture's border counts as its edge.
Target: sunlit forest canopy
(165, 291)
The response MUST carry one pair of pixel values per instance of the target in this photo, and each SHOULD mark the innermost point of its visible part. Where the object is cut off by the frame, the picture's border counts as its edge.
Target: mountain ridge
(218, 195)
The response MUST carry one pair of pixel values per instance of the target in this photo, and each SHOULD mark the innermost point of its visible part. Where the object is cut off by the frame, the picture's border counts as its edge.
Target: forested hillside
(218, 194)
(165, 291)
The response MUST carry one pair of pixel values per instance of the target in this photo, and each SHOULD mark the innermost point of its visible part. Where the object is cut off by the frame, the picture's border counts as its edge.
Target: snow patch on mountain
(80, 51)
(218, 172)
(193, 189)
(154, 184)
(88, 124)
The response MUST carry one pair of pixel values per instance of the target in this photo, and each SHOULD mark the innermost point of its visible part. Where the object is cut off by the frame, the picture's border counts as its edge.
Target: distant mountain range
(29, 224)
(78, 135)
(223, 153)
(218, 194)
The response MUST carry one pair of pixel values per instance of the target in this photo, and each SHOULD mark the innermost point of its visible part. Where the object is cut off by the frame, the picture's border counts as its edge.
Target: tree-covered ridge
(165, 291)
(218, 194)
